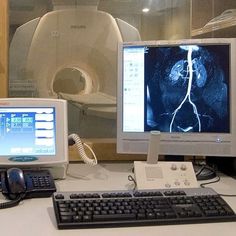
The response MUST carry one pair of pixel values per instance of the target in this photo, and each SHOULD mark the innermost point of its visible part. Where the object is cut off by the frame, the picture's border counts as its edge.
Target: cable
(80, 148)
(215, 181)
(211, 182)
(132, 179)
(12, 203)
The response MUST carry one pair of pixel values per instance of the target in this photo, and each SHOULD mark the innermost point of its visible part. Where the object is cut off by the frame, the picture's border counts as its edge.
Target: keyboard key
(111, 217)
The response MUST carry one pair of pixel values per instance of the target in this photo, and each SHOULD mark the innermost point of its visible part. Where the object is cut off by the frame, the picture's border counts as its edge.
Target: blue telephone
(18, 184)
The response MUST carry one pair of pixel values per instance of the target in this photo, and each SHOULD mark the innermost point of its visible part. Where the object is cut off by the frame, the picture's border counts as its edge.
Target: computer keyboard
(74, 210)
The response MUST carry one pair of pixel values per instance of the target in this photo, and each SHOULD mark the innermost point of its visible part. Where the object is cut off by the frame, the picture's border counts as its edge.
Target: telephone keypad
(40, 181)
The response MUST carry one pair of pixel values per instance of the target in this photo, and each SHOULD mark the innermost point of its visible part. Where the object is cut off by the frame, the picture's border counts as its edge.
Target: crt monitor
(33, 132)
(185, 89)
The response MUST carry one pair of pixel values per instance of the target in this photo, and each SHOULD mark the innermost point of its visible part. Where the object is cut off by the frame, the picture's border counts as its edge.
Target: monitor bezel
(61, 131)
(142, 138)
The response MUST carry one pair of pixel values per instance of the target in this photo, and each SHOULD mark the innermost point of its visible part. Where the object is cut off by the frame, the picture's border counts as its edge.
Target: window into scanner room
(68, 48)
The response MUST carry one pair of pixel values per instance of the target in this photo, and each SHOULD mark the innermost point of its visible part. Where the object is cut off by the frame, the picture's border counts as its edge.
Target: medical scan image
(187, 88)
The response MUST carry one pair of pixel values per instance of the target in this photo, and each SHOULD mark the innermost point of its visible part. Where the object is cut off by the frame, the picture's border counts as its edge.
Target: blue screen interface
(27, 131)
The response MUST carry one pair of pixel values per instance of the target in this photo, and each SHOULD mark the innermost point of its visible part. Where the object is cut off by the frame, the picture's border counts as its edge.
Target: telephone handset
(19, 184)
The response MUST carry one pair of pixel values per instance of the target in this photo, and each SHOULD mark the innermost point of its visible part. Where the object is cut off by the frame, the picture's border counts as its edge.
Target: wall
(3, 47)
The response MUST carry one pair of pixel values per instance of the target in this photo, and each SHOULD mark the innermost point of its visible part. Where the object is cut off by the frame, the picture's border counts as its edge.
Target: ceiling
(111, 6)
(22, 11)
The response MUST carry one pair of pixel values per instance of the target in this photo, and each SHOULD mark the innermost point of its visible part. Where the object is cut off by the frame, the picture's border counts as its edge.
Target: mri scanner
(71, 54)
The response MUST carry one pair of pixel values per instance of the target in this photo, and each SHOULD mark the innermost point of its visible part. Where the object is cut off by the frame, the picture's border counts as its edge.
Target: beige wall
(3, 47)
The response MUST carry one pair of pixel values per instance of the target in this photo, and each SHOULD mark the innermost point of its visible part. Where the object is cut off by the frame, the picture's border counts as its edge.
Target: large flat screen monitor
(186, 89)
(33, 132)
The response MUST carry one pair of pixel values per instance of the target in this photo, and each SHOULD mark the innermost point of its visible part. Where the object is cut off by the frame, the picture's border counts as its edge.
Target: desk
(35, 217)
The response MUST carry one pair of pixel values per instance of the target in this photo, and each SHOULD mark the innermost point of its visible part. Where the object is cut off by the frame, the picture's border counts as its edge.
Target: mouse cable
(211, 182)
(215, 181)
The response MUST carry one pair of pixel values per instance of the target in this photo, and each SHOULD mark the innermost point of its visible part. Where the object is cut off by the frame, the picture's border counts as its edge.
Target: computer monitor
(186, 89)
(33, 134)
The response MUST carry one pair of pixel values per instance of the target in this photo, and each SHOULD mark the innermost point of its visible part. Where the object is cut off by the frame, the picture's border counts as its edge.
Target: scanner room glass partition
(68, 49)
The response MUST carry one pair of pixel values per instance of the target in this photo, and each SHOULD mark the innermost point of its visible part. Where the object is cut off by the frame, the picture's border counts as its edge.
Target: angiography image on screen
(187, 88)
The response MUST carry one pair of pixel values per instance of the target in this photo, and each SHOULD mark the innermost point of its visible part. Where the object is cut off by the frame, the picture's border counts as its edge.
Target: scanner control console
(164, 175)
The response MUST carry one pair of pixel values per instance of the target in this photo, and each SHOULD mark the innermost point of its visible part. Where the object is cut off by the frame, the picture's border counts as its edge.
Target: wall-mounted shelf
(221, 29)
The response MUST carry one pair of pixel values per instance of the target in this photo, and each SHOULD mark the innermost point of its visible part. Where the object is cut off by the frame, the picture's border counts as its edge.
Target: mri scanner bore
(192, 88)
(77, 81)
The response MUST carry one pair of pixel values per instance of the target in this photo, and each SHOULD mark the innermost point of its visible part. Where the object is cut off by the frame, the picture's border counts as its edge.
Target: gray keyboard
(75, 210)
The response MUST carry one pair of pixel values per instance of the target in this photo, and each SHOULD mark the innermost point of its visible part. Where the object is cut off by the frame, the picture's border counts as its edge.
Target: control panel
(164, 175)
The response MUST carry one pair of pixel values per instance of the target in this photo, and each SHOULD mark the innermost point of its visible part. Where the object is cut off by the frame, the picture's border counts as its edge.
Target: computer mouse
(16, 182)
(204, 172)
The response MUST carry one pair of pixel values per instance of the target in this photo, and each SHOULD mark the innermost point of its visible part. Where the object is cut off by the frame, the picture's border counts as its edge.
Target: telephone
(18, 184)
